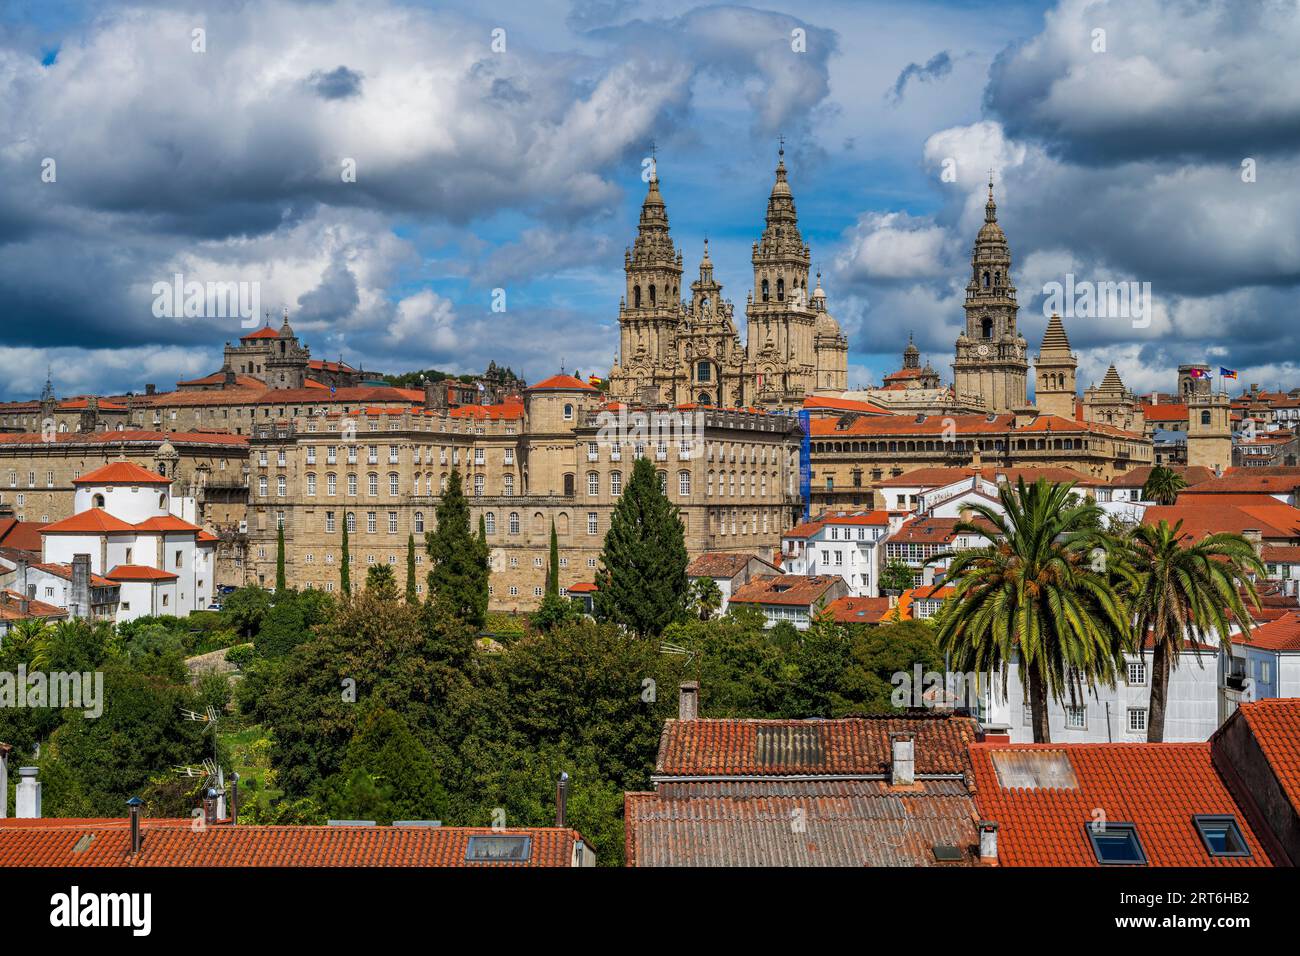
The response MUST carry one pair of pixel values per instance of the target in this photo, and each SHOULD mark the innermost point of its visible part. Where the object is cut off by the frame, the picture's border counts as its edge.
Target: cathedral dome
(826, 325)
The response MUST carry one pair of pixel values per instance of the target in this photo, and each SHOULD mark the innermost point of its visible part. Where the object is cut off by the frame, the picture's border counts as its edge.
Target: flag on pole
(1198, 372)
(1227, 372)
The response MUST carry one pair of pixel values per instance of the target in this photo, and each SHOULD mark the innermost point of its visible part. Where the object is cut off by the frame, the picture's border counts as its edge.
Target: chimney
(27, 795)
(234, 799)
(4, 780)
(20, 578)
(79, 598)
(902, 767)
(688, 701)
(988, 842)
(150, 389)
(23, 604)
(210, 806)
(135, 803)
(1255, 537)
(562, 800)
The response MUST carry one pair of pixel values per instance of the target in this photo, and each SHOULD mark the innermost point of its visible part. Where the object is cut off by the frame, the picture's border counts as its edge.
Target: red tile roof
(721, 564)
(1276, 554)
(219, 378)
(129, 437)
(859, 610)
(173, 843)
(166, 523)
(1164, 413)
(1156, 787)
(815, 403)
(582, 587)
(1280, 634)
(138, 572)
(937, 477)
(11, 608)
(265, 332)
(1266, 481)
(1275, 725)
(510, 409)
(785, 589)
(843, 823)
(20, 535)
(857, 746)
(1202, 515)
(1137, 477)
(121, 473)
(561, 383)
(65, 571)
(94, 521)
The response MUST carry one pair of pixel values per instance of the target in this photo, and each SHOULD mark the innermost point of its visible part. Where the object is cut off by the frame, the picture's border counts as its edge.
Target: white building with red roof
(841, 544)
(123, 554)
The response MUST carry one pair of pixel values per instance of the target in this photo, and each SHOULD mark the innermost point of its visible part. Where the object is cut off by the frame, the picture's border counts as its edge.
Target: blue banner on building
(805, 461)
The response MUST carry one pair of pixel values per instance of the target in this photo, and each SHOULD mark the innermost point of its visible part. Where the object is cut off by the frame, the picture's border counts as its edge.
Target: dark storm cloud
(1123, 80)
(937, 67)
(338, 84)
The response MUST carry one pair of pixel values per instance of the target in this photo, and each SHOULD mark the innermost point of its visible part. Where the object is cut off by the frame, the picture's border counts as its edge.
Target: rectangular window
(371, 521)
(1137, 673)
(392, 522)
(1116, 844)
(1076, 718)
(592, 523)
(1137, 720)
(1222, 836)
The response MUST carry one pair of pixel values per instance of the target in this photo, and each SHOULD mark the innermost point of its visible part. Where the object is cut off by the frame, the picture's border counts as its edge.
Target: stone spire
(1111, 382)
(911, 354)
(1055, 339)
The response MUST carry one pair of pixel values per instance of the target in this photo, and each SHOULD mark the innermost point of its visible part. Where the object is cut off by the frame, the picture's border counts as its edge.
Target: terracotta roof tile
(121, 473)
(1156, 787)
(94, 521)
(859, 610)
(168, 843)
(858, 746)
(138, 572)
(1275, 725)
(721, 564)
(561, 383)
(785, 589)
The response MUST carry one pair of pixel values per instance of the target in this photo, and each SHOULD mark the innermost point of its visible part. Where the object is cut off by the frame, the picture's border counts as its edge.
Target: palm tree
(1163, 485)
(1040, 592)
(1184, 592)
(706, 597)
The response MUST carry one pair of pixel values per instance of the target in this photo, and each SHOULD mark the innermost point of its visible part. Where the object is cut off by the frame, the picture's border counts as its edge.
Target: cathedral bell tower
(651, 307)
(780, 334)
(991, 364)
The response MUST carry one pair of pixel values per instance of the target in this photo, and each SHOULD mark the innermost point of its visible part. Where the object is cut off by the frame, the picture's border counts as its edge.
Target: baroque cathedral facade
(675, 350)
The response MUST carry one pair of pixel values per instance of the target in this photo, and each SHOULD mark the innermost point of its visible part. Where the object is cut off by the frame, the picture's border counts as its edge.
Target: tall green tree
(1184, 593)
(1163, 485)
(553, 565)
(642, 580)
(458, 573)
(896, 576)
(279, 558)
(345, 562)
(411, 596)
(1041, 591)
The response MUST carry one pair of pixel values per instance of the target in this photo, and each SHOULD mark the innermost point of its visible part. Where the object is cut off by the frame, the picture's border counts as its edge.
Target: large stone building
(678, 352)
(560, 455)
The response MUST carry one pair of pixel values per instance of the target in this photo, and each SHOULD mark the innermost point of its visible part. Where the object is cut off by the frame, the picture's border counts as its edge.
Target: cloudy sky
(1131, 141)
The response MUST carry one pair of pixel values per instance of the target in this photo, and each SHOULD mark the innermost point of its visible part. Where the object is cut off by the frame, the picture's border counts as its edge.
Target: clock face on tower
(983, 350)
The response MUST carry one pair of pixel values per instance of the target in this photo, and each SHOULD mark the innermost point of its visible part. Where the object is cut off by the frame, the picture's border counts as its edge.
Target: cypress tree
(642, 580)
(553, 567)
(458, 573)
(411, 597)
(279, 558)
(345, 574)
